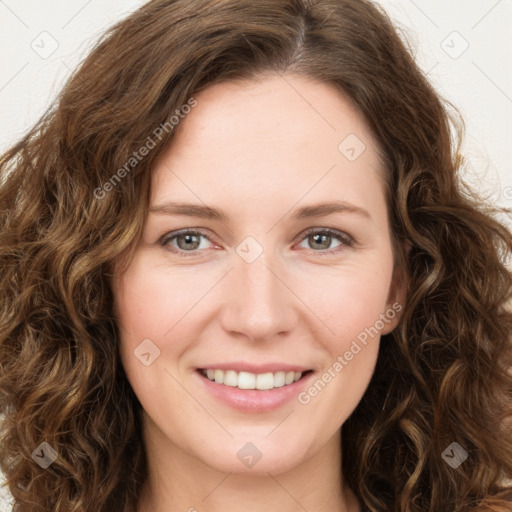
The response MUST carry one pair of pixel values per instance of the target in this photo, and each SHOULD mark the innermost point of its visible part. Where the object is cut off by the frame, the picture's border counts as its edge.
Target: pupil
(188, 238)
(322, 237)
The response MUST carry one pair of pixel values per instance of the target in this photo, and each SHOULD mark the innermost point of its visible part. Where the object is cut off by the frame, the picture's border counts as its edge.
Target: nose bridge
(259, 304)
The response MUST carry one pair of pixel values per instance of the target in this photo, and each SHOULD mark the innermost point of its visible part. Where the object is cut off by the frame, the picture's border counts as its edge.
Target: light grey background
(463, 45)
(476, 79)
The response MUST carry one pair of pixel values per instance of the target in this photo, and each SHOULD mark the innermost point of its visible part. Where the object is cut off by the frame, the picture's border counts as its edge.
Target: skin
(258, 151)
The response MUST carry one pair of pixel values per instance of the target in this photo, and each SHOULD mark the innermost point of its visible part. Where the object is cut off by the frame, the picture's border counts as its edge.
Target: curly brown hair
(442, 376)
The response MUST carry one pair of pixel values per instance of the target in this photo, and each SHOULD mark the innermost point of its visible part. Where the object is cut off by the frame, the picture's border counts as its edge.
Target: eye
(187, 241)
(321, 238)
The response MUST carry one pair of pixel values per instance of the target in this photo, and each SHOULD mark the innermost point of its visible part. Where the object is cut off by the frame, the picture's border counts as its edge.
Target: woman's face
(257, 291)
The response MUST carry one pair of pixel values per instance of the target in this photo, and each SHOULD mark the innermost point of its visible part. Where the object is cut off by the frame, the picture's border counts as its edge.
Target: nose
(259, 303)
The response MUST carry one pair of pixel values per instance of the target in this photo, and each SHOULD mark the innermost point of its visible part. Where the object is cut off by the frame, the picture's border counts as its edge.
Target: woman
(166, 342)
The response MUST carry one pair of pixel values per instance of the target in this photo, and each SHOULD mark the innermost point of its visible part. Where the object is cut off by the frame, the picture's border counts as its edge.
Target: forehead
(281, 135)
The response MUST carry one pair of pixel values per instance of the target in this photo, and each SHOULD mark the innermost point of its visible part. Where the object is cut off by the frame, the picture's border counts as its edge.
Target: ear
(397, 294)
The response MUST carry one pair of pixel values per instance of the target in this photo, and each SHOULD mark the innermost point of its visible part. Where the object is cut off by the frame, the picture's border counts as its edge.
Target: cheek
(147, 307)
(351, 309)
(353, 298)
(150, 300)
(353, 347)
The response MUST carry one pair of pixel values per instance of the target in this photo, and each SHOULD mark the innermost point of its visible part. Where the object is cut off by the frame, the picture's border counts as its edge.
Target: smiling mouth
(248, 380)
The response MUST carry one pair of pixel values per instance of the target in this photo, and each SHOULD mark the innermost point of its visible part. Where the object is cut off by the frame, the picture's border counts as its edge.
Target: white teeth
(279, 379)
(265, 381)
(230, 378)
(219, 376)
(247, 380)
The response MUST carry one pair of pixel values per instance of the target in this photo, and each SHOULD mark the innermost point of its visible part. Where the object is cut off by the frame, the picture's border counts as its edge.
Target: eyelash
(345, 240)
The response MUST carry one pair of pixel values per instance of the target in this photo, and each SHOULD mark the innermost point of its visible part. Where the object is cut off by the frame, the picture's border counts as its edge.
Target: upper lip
(240, 366)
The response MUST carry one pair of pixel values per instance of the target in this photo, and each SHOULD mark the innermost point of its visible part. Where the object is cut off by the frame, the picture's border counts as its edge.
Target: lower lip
(254, 400)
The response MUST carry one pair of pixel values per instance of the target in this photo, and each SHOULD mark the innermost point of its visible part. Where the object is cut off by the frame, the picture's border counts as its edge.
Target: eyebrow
(306, 212)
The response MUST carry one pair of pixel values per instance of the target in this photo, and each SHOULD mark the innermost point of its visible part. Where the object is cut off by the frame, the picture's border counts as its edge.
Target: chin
(256, 458)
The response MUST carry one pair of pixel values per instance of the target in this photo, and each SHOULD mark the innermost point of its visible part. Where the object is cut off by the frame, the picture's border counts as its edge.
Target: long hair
(73, 200)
